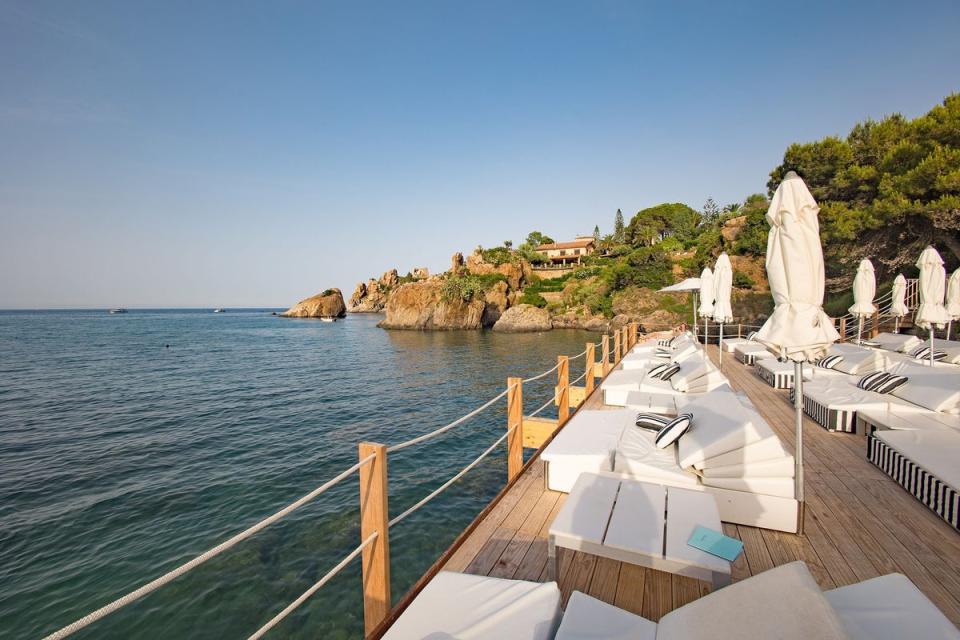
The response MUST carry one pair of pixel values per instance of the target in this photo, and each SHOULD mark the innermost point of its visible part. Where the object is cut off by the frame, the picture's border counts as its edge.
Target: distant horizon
(274, 153)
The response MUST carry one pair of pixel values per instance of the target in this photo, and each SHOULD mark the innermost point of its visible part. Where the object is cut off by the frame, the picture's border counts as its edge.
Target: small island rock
(524, 317)
(328, 304)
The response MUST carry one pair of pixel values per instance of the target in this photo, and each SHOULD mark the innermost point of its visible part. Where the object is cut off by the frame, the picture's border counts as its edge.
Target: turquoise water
(122, 457)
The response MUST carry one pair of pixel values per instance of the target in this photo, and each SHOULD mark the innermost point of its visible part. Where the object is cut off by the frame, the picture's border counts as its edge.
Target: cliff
(328, 304)
(422, 306)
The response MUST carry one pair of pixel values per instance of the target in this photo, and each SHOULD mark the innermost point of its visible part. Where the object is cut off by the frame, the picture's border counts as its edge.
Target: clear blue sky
(254, 153)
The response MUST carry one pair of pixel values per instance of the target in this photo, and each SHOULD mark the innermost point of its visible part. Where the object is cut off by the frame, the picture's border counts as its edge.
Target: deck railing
(522, 431)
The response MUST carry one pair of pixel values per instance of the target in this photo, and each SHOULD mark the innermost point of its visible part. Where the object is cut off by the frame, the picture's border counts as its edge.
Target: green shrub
(466, 288)
(530, 297)
(498, 255)
(327, 292)
(742, 281)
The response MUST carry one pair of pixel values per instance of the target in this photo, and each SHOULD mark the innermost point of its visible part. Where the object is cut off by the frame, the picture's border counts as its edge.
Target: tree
(618, 228)
(711, 211)
(596, 234)
(535, 239)
(508, 244)
(650, 226)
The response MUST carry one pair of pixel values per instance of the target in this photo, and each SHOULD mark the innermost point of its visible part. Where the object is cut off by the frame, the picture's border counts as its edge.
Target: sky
(191, 154)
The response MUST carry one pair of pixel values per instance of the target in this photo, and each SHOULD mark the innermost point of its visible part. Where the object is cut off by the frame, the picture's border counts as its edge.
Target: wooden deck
(859, 524)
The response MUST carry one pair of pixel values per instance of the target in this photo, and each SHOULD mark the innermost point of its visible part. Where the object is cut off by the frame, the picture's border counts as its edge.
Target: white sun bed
(833, 402)
(585, 444)
(779, 375)
(924, 462)
(897, 342)
(751, 352)
(730, 344)
(460, 605)
(903, 418)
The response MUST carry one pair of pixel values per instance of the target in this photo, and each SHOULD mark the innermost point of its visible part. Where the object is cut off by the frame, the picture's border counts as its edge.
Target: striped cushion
(870, 343)
(656, 370)
(871, 381)
(751, 335)
(920, 352)
(829, 362)
(669, 372)
(652, 421)
(672, 431)
(890, 384)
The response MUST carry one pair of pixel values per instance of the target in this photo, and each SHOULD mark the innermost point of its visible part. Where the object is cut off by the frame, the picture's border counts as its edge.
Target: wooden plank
(606, 575)
(374, 517)
(631, 586)
(685, 590)
(538, 430)
(516, 549)
(657, 595)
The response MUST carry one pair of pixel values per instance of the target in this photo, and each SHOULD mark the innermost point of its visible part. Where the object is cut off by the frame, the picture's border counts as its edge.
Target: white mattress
(638, 456)
(460, 605)
(586, 443)
(720, 424)
(934, 450)
(703, 384)
(779, 467)
(616, 385)
(862, 361)
(662, 403)
(897, 341)
(889, 608)
(769, 448)
(775, 366)
(587, 618)
(729, 344)
(934, 388)
(904, 418)
(783, 487)
(841, 392)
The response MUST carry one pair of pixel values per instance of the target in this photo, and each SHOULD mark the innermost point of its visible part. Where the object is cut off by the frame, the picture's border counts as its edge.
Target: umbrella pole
(798, 454)
(949, 324)
(720, 347)
(931, 344)
(859, 329)
(706, 333)
(694, 313)
(896, 324)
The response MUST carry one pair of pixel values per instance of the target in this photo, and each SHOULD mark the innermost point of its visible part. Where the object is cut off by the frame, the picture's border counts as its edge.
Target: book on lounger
(716, 543)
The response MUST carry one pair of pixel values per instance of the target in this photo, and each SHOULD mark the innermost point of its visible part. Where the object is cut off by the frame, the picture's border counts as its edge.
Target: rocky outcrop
(328, 304)
(390, 278)
(518, 273)
(420, 273)
(732, 228)
(369, 297)
(456, 262)
(496, 301)
(421, 306)
(580, 320)
(524, 317)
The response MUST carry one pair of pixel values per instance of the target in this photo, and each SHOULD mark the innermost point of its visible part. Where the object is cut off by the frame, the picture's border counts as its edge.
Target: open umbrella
(690, 285)
(706, 298)
(931, 312)
(864, 288)
(798, 329)
(898, 301)
(722, 287)
(953, 299)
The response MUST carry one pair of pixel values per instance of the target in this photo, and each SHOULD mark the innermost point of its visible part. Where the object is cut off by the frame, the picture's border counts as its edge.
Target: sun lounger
(833, 402)
(905, 418)
(730, 344)
(784, 602)
(586, 444)
(779, 375)
(749, 353)
(460, 605)
(896, 342)
(924, 462)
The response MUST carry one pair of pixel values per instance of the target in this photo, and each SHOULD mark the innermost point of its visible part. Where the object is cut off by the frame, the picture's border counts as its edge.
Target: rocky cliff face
(421, 306)
(524, 317)
(328, 304)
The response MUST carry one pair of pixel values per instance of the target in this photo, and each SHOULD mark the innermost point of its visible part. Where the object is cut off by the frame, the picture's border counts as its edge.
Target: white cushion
(688, 350)
(905, 418)
(936, 451)
(730, 344)
(783, 603)
(781, 467)
(933, 388)
(781, 486)
(769, 448)
(897, 341)
(587, 618)
(638, 456)
(707, 382)
(860, 362)
(585, 444)
(460, 605)
(663, 403)
(720, 424)
(759, 351)
(889, 607)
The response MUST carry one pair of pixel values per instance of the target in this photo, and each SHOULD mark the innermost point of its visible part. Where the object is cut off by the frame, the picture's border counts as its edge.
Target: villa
(566, 253)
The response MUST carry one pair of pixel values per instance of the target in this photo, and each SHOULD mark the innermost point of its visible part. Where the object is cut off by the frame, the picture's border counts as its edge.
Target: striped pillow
(920, 352)
(751, 335)
(672, 431)
(937, 355)
(890, 384)
(871, 381)
(656, 370)
(652, 421)
(663, 343)
(669, 372)
(829, 362)
(870, 343)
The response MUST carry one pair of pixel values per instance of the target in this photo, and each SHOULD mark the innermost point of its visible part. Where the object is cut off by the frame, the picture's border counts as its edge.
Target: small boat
(219, 310)
(117, 310)
(328, 319)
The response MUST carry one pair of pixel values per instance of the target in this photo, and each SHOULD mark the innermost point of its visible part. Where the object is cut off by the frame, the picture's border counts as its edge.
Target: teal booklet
(716, 543)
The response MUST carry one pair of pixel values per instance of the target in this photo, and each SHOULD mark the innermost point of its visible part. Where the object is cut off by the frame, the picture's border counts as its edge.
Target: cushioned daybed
(750, 352)
(779, 375)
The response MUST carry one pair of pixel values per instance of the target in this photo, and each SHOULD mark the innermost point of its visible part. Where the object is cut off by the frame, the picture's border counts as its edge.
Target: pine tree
(596, 234)
(618, 234)
(710, 211)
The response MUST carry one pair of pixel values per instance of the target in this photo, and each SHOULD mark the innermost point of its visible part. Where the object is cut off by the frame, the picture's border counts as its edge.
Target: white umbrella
(688, 285)
(706, 298)
(898, 301)
(798, 328)
(864, 288)
(931, 312)
(953, 299)
(722, 287)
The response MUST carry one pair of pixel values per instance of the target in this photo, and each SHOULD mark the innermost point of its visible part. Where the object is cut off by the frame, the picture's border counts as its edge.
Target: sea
(130, 443)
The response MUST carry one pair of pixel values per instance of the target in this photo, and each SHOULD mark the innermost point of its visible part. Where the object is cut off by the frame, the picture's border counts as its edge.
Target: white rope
(544, 406)
(309, 592)
(542, 375)
(217, 550)
(582, 376)
(449, 482)
(458, 421)
(579, 355)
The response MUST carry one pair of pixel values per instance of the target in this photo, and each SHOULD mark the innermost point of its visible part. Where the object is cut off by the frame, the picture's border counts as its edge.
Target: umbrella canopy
(722, 287)
(706, 292)
(931, 311)
(864, 288)
(690, 284)
(953, 296)
(898, 297)
(798, 328)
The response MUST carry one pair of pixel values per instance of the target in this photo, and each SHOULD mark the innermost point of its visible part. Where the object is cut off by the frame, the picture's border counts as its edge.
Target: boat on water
(328, 319)
(219, 310)
(117, 310)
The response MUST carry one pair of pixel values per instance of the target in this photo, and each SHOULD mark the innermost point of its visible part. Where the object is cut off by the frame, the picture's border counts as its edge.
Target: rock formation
(518, 273)
(328, 304)
(420, 305)
(524, 317)
(420, 273)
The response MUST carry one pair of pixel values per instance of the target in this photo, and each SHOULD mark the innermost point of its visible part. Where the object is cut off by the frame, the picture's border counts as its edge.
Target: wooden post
(514, 419)
(616, 347)
(624, 348)
(590, 359)
(563, 381)
(634, 328)
(605, 353)
(843, 329)
(740, 330)
(374, 518)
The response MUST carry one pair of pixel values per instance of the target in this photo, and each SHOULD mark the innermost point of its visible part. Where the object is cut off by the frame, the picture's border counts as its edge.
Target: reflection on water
(121, 457)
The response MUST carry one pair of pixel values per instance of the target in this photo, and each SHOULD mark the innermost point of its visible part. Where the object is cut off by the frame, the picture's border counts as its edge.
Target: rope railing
(542, 407)
(433, 494)
(316, 587)
(215, 551)
(542, 375)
